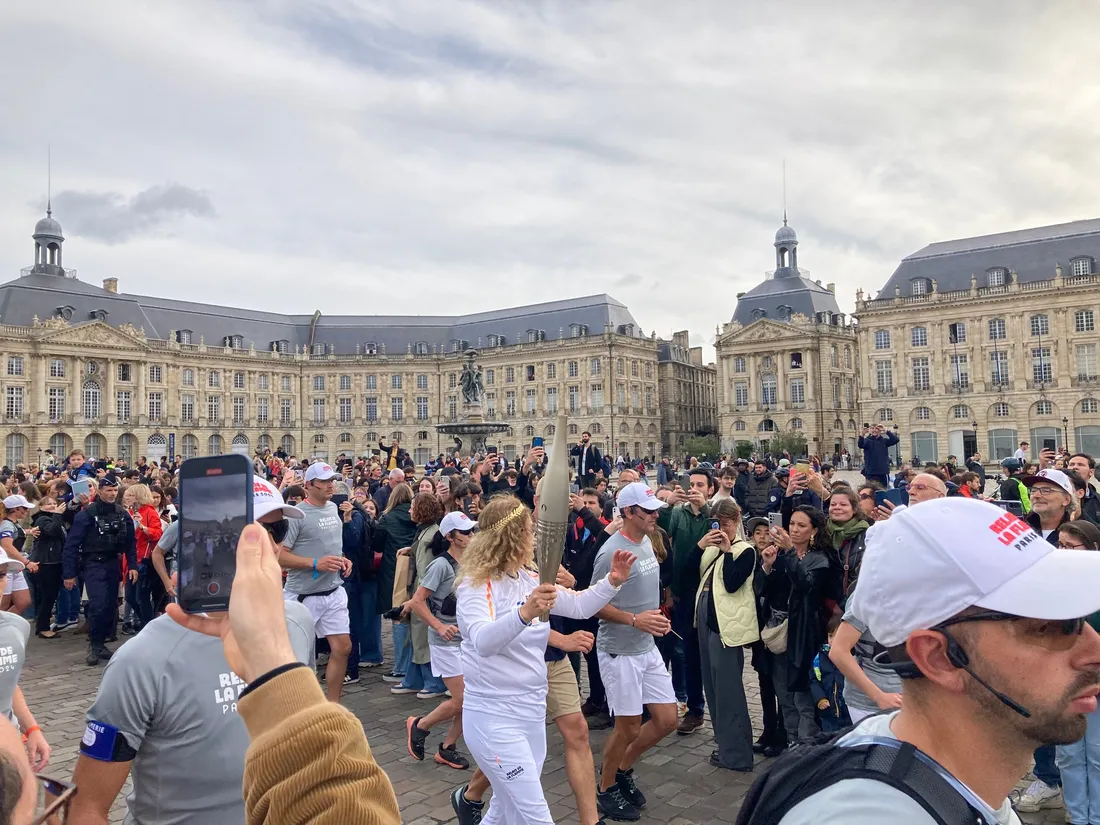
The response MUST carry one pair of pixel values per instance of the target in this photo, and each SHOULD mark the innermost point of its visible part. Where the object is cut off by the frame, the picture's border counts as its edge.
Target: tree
(703, 447)
(744, 449)
(791, 441)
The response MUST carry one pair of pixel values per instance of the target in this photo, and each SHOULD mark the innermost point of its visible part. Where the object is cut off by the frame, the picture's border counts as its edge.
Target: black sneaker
(127, 629)
(104, 652)
(625, 781)
(469, 813)
(452, 758)
(414, 738)
(613, 805)
(92, 659)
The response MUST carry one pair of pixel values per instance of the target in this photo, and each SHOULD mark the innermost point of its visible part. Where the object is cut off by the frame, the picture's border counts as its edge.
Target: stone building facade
(128, 375)
(689, 393)
(981, 343)
(788, 361)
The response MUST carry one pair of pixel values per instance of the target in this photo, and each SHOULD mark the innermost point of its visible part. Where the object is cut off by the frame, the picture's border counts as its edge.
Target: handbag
(774, 634)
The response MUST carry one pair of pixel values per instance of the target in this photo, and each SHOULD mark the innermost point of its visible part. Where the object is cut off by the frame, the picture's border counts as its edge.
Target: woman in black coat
(393, 531)
(798, 574)
(46, 554)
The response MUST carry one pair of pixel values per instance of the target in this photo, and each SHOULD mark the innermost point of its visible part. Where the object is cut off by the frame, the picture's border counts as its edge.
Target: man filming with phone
(313, 553)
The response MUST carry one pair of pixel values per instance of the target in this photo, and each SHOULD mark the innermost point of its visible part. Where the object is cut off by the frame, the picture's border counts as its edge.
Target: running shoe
(451, 758)
(613, 805)
(415, 738)
(397, 690)
(469, 813)
(625, 781)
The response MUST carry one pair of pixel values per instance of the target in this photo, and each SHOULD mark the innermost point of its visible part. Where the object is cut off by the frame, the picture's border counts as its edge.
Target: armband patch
(106, 743)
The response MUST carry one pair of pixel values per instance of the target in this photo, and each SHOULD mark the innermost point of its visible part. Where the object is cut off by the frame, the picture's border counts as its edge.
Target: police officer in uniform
(101, 533)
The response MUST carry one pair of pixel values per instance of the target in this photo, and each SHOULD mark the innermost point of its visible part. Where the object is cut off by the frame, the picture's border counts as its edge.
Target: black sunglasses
(1054, 634)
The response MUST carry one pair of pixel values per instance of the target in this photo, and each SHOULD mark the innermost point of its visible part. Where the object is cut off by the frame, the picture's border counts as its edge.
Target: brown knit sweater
(309, 761)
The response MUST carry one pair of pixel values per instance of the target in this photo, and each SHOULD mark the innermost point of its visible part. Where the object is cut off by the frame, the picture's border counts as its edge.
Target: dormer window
(577, 330)
(420, 348)
(282, 347)
(183, 336)
(234, 341)
(65, 312)
(783, 312)
(317, 349)
(496, 340)
(458, 345)
(919, 286)
(627, 329)
(98, 315)
(996, 276)
(759, 313)
(370, 348)
(1082, 266)
(535, 335)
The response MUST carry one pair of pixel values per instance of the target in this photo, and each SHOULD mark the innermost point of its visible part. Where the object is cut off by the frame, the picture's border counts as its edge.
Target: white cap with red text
(456, 520)
(931, 561)
(1056, 477)
(266, 498)
(637, 494)
(319, 471)
(15, 501)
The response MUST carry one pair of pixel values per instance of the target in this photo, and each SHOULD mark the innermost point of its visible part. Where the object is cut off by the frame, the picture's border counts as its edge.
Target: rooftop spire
(784, 191)
(49, 182)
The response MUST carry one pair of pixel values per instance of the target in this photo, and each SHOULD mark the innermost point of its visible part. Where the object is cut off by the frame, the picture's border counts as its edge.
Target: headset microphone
(1016, 706)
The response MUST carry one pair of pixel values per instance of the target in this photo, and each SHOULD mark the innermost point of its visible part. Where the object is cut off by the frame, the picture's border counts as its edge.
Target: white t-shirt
(870, 802)
(1020, 454)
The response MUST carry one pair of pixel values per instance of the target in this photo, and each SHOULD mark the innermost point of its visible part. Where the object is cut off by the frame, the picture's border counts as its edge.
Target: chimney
(831, 287)
(110, 284)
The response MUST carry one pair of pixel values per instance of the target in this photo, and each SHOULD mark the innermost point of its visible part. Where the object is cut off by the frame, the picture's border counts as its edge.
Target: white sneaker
(1039, 796)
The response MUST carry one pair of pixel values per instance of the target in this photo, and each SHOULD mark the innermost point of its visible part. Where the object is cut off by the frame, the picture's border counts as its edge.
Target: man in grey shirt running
(633, 672)
(313, 553)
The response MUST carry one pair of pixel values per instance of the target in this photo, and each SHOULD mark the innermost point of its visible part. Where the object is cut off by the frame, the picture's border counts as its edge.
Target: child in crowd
(827, 686)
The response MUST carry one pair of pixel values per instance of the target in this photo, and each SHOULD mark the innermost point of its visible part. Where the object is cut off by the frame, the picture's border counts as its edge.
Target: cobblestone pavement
(682, 786)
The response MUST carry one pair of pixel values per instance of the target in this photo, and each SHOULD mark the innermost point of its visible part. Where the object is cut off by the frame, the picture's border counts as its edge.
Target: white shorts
(330, 612)
(17, 581)
(631, 682)
(446, 660)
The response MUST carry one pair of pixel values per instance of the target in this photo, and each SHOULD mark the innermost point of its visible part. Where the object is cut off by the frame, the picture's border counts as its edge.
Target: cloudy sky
(437, 156)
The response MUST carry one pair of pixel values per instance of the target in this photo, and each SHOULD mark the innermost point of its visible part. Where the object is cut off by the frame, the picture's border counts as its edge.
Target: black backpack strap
(809, 769)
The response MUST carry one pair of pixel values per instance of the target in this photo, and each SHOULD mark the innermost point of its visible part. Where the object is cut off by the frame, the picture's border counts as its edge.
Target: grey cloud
(114, 218)
(629, 279)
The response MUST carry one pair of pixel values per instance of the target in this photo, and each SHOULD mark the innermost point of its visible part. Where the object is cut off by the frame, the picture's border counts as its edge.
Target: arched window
(60, 444)
(127, 446)
(838, 424)
(738, 426)
(1001, 410)
(189, 446)
(15, 449)
(344, 438)
(95, 446)
(287, 444)
(596, 428)
(215, 445)
(885, 414)
(796, 424)
(767, 426)
(263, 443)
(960, 412)
(923, 414)
(239, 444)
(529, 431)
(92, 399)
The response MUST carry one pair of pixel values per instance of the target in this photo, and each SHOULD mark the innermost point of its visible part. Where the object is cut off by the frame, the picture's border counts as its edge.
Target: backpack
(449, 605)
(819, 763)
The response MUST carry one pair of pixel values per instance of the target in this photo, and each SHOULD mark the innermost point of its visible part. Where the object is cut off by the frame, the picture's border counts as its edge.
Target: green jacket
(685, 529)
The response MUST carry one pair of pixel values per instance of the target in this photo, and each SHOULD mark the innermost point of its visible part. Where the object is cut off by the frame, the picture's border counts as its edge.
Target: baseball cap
(456, 521)
(930, 561)
(319, 471)
(13, 566)
(755, 522)
(11, 502)
(1053, 476)
(784, 462)
(637, 494)
(266, 498)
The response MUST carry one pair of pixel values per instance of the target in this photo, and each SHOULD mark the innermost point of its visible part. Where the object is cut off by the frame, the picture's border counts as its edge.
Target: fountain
(472, 429)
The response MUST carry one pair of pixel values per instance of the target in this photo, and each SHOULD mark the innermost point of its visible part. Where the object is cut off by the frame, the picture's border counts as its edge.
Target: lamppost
(1065, 433)
(897, 448)
(977, 448)
(39, 458)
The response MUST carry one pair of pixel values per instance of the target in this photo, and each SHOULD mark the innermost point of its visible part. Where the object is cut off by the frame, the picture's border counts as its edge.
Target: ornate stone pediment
(96, 333)
(766, 329)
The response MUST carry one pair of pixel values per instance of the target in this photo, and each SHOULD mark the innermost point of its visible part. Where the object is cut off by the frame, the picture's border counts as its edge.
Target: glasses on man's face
(1049, 634)
(1044, 491)
(920, 487)
(53, 800)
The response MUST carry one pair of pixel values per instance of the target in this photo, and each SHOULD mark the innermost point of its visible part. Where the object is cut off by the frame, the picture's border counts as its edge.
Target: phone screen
(1048, 444)
(536, 441)
(215, 506)
(339, 498)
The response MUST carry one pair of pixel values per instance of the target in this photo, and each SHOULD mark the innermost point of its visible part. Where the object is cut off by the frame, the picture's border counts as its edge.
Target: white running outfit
(504, 705)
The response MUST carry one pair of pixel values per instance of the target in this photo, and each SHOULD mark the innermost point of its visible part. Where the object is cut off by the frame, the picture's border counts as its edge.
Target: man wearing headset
(984, 621)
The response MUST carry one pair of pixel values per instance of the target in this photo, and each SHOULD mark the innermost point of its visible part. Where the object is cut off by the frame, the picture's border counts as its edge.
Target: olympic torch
(553, 515)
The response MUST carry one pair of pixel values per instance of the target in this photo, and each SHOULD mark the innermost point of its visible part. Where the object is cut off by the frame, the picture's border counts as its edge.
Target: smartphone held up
(215, 505)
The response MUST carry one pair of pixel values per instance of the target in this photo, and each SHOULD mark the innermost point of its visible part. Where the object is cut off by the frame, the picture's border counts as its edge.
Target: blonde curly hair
(502, 551)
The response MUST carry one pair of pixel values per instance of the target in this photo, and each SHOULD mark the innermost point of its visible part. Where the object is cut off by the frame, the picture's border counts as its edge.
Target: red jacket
(147, 539)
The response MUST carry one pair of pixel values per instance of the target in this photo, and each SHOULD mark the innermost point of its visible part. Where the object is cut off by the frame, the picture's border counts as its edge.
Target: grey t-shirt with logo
(440, 579)
(14, 633)
(320, 533)
(170, 693)
(639, 593)
(883, 678)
